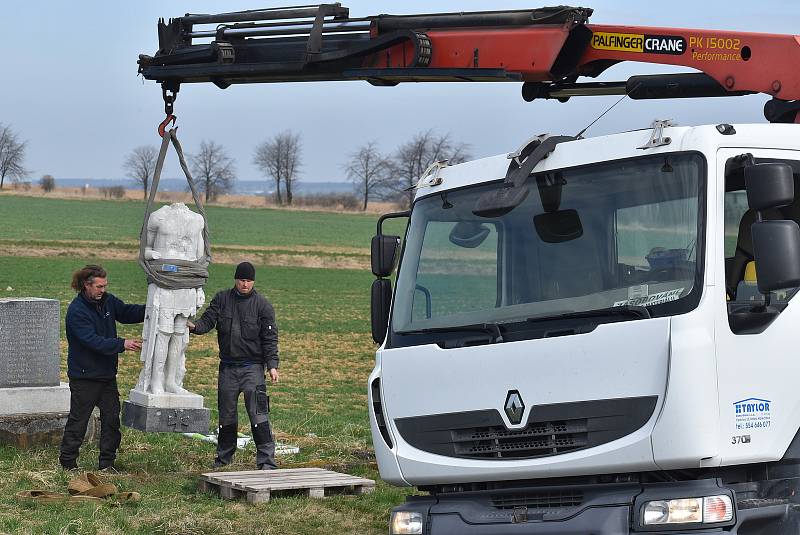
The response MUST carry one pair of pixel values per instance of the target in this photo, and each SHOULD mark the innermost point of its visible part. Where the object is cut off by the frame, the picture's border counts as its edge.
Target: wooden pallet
(259, 485)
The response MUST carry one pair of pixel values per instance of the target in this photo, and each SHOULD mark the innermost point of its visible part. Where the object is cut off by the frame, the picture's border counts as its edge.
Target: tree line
(375, 175)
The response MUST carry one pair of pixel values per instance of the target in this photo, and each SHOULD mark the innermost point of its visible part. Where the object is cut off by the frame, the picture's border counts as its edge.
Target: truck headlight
(406, 523)
(706, 510)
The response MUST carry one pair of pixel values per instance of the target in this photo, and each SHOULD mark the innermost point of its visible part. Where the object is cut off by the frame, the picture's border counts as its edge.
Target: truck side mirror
(379, 310)
(384, 253)
(776, 247)
(769, 185)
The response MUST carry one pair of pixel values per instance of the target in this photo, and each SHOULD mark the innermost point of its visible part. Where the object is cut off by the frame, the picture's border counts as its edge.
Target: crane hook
(169, 95)
(163, 126)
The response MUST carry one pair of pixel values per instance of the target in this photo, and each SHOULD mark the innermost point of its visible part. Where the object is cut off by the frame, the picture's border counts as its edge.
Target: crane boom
(547, 49)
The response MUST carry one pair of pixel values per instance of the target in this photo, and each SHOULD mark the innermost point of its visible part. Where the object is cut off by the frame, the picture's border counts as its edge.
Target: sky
(69, 87)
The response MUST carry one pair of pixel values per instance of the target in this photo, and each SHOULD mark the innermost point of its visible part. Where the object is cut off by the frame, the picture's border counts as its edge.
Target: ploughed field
(320, 404)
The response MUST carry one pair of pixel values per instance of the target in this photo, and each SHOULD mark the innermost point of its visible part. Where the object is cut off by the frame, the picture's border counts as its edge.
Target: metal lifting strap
(174, 274)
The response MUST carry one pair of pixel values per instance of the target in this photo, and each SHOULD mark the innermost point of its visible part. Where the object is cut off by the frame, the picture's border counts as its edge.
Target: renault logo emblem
(514, 407)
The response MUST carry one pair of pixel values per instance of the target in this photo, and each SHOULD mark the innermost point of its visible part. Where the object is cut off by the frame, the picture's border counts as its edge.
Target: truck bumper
(605, 521)
(616, 521)
(603, 510)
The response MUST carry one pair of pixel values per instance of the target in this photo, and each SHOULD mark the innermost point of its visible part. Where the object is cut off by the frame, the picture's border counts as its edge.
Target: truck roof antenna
(632, 89)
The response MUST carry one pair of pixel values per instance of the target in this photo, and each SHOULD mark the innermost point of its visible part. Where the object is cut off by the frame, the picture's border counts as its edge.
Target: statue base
(166, 420)
(166, 400)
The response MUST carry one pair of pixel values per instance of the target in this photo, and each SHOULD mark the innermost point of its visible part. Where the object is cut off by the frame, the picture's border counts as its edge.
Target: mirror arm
(391, 215)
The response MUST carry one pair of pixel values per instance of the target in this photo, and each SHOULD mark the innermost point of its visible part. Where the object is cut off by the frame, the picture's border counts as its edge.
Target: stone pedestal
(34, 404)
(165, 413)
(166, 400)
(165, 420)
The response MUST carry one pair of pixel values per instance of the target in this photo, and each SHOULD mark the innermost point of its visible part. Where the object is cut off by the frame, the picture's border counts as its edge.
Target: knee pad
(262, 433)
(226, 435)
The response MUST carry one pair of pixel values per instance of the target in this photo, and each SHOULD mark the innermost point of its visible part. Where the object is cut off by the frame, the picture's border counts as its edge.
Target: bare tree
(140, 165)
(279, 158)
(369, 170)
(213, 169)
(47, 183)
(414, 157)
(12, 154)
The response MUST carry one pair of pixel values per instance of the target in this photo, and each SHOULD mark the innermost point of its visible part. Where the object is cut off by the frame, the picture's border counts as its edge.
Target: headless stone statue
(173, 233)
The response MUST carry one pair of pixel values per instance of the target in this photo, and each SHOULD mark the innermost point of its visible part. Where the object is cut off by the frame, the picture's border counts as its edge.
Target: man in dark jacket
(248, 349)
(92, 363)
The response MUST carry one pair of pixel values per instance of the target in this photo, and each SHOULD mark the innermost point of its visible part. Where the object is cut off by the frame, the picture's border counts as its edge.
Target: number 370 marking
(740, 439)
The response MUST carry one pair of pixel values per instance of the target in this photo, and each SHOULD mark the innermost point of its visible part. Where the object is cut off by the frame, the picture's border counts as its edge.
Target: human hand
(190, 325)
(133, 345)
(274, 375)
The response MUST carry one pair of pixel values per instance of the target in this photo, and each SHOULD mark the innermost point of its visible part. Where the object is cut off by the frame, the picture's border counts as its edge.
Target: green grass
(320, 403)
(36, 218)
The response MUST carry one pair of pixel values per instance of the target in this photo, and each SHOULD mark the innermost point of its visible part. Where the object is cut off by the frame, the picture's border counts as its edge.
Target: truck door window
(735, 207)
(741, 270)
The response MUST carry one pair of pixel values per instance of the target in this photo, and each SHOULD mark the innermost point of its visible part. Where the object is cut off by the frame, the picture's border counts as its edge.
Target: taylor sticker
(653, 299)
(637, 42)
(752, 413)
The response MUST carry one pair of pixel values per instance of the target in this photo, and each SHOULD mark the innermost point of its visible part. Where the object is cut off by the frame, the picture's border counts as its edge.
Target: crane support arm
(548, 49)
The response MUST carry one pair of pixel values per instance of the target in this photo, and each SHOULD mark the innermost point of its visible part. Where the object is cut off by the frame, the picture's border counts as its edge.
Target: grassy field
(320, 403)
(42, 219)
(38, 226)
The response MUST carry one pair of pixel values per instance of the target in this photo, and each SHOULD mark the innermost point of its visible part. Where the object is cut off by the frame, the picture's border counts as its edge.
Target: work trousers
(85, 395)
(248, 379)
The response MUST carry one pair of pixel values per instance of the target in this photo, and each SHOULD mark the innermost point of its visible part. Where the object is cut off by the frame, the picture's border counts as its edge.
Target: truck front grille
(541, 438)
(550, 430)
(538, 501)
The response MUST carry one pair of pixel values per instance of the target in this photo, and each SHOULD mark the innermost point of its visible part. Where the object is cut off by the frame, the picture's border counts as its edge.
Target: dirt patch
(220, 255)
(271, 255)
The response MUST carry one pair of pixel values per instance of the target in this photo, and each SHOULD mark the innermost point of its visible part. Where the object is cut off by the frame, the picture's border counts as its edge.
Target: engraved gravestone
(34, 404)
(29, 342)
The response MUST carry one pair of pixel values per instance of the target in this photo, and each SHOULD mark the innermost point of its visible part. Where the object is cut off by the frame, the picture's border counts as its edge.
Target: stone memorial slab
(34, 404)
(29, 333)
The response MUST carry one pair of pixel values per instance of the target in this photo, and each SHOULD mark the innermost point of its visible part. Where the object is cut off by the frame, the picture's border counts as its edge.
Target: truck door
(757, 361)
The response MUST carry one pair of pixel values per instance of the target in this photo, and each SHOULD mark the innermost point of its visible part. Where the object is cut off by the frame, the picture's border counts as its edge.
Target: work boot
(108, 468)
(69, 467)
(218, 464)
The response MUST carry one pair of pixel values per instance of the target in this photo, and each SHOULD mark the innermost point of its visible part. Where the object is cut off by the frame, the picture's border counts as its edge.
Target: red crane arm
(738, 61)
(548, 49)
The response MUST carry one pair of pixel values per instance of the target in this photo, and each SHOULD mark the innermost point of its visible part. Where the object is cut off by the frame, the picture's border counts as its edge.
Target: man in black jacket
(248, 349)
(92, 363)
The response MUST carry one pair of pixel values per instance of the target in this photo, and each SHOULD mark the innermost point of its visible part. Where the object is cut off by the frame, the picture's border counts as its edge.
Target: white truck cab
(601, 345)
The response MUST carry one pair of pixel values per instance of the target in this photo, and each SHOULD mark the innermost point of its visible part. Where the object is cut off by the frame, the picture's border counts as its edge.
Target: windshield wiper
(633, 311)
(493, 329)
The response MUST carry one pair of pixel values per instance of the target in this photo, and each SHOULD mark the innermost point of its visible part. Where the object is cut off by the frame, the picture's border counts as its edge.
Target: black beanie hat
(246, 271)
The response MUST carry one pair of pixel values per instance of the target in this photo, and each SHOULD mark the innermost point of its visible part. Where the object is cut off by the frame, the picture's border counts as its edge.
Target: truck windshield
(618, 234)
